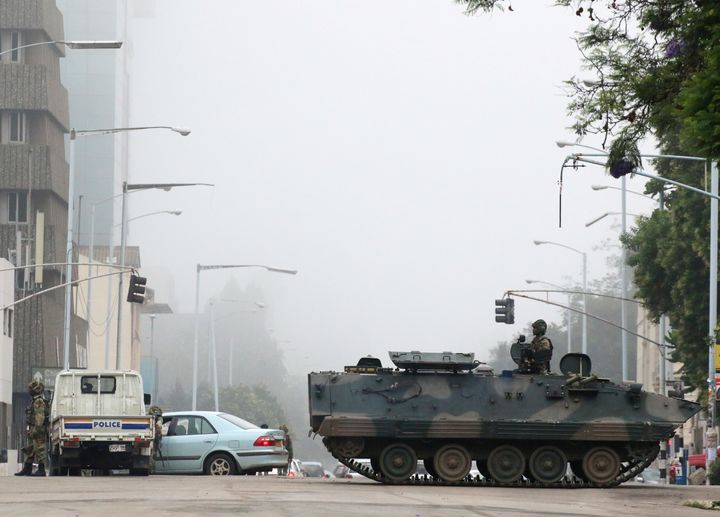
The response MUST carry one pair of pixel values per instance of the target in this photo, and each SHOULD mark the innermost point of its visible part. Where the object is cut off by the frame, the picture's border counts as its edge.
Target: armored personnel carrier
(520, 427)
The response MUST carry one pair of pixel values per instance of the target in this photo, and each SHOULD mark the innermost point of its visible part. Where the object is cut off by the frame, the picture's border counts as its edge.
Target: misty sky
(399, 154)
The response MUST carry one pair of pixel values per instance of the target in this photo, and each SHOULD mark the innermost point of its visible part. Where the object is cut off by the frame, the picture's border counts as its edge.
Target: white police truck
(98, 422)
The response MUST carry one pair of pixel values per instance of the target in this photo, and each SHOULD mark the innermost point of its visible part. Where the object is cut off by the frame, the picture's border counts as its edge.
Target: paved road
(181, 496)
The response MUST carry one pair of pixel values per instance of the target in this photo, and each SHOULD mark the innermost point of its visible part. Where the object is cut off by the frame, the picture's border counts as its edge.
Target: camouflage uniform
(541, 343)
(37, 432)
(288, 447)
(156, 412)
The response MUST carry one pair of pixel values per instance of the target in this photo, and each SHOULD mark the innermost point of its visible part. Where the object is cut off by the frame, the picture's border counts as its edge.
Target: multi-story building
(97, 84)
(34, 185)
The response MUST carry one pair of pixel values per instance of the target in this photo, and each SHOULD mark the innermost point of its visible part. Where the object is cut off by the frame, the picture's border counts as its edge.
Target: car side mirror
(147, 398)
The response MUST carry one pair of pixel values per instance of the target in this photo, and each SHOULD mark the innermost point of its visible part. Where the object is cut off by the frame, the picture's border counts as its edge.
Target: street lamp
(623, 267)
(605, 187)
(585, 307)
(170, 212)
(712, 302)
(201, 267)
(75, 45)
(661, 323)
(623, 314)
(126, 188)
(569, 310)
(603, 216)
(109, 309)
(713, 243)
(74, 133)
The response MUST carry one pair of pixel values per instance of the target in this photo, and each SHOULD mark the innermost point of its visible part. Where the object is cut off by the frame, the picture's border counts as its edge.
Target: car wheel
(220, 464)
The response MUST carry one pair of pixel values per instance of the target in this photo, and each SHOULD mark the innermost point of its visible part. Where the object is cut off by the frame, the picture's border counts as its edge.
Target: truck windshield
(90, 384)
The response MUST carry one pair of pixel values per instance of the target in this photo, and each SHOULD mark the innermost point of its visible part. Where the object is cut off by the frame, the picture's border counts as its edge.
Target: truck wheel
(220, 465)
(139, 472)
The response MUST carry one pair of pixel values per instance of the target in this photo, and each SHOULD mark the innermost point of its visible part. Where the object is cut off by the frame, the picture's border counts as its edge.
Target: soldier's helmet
(36, 388)
(540, 325)
(155, 410)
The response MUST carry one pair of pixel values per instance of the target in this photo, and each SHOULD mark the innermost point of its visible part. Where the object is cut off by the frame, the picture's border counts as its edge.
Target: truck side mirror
(147, 398)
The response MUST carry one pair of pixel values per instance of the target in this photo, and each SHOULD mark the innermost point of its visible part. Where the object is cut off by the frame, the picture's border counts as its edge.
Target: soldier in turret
(37, 432)
(541, 347)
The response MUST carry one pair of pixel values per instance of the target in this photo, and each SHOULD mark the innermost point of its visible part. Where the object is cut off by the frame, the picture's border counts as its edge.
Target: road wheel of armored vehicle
(398, 462)
(601, 465)
(347, 447)
(506, 464)
(452, 462)
(547, 464)
(220, 465)
(430, 467)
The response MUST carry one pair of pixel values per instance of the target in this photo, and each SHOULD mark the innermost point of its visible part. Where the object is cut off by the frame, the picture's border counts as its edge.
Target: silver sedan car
(218, 444)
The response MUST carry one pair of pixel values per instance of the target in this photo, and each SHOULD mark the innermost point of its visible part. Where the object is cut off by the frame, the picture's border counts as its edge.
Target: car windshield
(242, 424)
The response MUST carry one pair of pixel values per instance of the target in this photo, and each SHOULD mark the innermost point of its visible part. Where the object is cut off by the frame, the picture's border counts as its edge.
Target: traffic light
(136, 289)
(505, 311)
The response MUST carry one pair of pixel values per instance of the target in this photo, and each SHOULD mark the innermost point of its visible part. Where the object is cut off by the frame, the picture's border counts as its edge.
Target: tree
(657, 72)
(253, 403)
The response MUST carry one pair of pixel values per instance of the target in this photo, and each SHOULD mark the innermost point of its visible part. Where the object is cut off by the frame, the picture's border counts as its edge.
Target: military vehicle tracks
(628, 471)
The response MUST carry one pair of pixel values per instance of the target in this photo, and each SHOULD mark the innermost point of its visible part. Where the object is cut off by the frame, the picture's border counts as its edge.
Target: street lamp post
(110, 256)
(201, 267)
(569, 310)
(712, 302)
(75, 45)
(623, 280)
(623, 267)
(603, 216)
(585, 307)
(71, 204)
(74, 133)
(127, 188)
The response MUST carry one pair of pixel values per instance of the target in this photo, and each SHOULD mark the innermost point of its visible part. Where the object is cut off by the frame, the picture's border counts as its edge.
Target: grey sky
(398, 153)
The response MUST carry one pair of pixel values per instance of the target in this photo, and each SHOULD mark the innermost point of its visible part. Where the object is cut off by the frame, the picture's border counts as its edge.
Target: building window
(17, 207)
(15, 42)
(17, 127)
(7, 322)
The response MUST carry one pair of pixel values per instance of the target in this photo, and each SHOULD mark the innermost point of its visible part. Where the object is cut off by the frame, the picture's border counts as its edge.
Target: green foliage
(656, 68)
(624, 156)
(253, 403)
(669, 254)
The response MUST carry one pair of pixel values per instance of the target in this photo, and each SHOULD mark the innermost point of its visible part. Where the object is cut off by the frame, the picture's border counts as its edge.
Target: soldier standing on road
(288, 446)
(156, 412)
(541, 347)
(37, 430)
